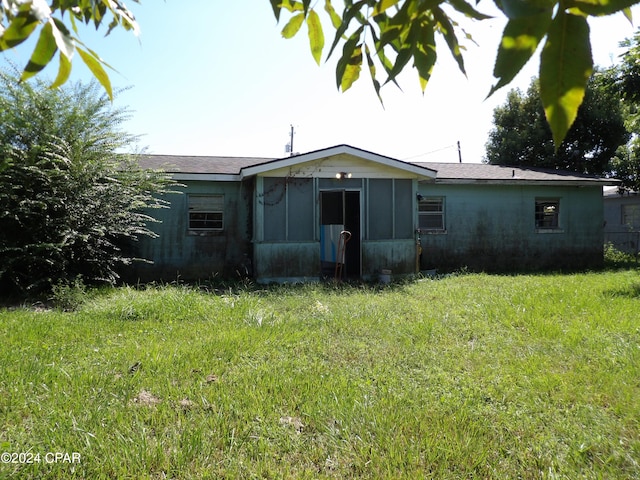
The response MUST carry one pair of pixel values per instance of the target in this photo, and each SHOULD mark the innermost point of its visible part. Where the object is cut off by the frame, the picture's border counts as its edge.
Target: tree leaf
(336, 21)
(348, 14)
(63, 38)
(20, 27)
(600, 7)
(446, 28)
(372, 73)
(424, 52)
(293, 25)
(95, 65)
(383, 5)
(348, 52)
(277, 8)
(520, 39)
(64, 70)
(565, 67)
(468, 10)
(352, 70)
(42, 54)
(316, 35)
(524, 8)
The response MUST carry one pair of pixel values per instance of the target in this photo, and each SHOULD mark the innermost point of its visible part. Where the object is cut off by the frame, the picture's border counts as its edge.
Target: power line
(453, 145)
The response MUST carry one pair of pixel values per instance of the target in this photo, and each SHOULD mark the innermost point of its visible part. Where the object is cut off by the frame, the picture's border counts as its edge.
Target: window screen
(547, 213)
(206, 212)
(431, 213)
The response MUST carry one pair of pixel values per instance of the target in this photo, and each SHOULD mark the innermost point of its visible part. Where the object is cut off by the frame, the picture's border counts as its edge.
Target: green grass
(468, 376)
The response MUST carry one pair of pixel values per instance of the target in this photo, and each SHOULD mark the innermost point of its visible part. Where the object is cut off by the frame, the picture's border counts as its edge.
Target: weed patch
(467, 376)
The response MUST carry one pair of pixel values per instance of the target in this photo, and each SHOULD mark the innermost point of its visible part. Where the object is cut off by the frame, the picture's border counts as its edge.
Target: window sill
(549, 230)
(204, 233)
(432, 232)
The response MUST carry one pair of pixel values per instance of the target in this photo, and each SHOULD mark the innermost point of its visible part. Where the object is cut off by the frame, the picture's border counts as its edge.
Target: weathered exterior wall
(288, 217)
(399, 256)
(492, 228)
(623, 236)
(179, 253)
(294, 261)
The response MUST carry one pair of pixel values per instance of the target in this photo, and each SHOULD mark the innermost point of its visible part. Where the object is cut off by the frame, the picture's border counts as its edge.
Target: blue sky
(216, 78)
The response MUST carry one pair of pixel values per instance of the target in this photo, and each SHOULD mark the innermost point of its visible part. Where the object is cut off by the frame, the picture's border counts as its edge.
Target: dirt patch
(146, 398)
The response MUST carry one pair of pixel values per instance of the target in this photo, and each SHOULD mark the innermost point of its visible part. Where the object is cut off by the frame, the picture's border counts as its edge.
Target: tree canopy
(389, 35)
(57, 25)
(626, 163)
(69, 201)
(520, 135)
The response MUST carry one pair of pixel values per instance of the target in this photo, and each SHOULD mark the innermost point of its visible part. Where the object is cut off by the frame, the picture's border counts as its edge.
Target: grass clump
(469, 376)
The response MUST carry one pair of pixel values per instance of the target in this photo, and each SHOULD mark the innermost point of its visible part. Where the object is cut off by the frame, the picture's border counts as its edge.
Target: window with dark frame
(206, 212)
(547, 213)
(431, 214)
(631, 215)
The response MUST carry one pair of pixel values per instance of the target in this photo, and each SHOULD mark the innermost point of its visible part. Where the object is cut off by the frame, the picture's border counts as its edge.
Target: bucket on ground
(385, 276)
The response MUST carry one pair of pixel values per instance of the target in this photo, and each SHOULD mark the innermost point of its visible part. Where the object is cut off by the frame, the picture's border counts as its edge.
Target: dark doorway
(340, 209)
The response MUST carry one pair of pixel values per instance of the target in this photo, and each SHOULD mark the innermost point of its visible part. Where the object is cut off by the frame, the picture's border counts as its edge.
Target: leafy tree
(625, 166)
(392, 33)
(58, 32)
(521, 136)
(69, 202)
(389, 34)
(626, 163)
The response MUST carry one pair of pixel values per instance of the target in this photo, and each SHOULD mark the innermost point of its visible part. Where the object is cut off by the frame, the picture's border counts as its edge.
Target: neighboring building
(622, 220)
(281, 219)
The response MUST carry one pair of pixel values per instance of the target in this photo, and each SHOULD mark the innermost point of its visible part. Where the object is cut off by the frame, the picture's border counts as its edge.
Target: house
(348, 212)
(622, 219)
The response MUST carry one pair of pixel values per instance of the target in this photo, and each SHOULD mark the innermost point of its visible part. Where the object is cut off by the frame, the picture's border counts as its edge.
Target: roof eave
(427, 173)
(206, 177)
(516, 182)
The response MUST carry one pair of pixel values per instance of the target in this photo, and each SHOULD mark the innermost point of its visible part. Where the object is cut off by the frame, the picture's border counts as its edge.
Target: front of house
(347, 212)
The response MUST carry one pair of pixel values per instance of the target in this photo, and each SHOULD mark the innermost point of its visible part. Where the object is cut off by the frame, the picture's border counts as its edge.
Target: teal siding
(492, 227)
(271, 230)
(179, 253)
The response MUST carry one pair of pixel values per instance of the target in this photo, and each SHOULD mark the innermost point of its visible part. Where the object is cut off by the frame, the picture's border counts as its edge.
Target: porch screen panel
(275, 209)
(300, 209)
(380, 209)
(403, 208)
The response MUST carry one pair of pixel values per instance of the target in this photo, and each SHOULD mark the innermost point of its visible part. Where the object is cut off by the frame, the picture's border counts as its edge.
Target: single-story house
(622, 219)
(347, 212)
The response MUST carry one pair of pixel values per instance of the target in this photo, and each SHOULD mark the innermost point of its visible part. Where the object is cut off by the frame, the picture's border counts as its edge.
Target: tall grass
(469, 376)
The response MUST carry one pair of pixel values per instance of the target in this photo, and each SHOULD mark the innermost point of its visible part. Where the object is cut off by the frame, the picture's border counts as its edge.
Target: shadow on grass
(630, 291)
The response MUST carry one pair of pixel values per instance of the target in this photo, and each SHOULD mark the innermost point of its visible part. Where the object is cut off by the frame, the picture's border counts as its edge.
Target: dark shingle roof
(484, 173)
(446, 172)
(193, 164)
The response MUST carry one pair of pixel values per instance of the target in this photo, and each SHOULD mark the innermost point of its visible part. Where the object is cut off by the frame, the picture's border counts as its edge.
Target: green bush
(617, 258)
(69, 201)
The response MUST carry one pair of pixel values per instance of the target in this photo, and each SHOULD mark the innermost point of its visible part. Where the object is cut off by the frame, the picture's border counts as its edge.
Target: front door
(340, 211)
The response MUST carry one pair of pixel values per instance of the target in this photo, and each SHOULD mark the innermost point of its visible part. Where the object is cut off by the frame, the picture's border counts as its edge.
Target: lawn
(465, 376)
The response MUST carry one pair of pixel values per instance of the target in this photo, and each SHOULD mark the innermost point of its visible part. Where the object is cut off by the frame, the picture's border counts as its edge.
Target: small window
(431, 213)
(547, 213)
(631, 216)
(206, 212)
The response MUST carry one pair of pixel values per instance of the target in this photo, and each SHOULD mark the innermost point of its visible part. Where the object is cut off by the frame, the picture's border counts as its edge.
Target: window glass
(431, 213)
(631, 215)
(547, 213)
(206, 212)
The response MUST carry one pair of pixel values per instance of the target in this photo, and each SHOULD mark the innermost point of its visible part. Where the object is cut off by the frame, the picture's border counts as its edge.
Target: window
(206, 212)
(431, 213)
(631, 216)
(547, 213)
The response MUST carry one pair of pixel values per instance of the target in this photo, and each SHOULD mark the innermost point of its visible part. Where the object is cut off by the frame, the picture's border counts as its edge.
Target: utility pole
(291, 142)
(459, 153)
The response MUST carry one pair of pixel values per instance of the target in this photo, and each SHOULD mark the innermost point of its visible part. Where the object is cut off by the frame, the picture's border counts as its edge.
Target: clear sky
(216, 78)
